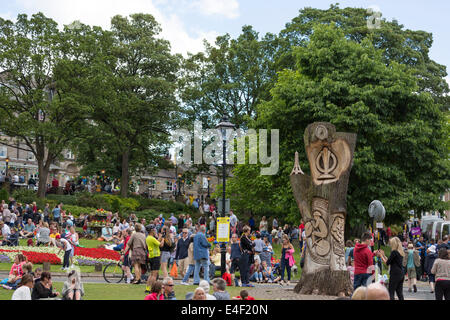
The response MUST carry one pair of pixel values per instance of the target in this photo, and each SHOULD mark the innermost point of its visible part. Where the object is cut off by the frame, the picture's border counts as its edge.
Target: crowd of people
(405, 260)
(37, 285)
(187, 246)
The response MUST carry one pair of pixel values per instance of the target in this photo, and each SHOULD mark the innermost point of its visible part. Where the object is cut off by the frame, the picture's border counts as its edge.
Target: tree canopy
(400, 157)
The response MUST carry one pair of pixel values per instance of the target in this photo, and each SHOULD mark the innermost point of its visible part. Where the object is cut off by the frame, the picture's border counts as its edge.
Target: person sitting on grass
(28, 229)
(37, 275)
(377, 291)
(243, 295)
(168, 284)
(73, 288)
(43, 235)
(16, 272)
(267, 272)
(219, 287)
(54, 232)
(205, 285)
(44, 288)
(23, 291)
(13, 238)
(256, 274)
(199, 294)
(156, 292)
(28, 268)
(106, 233)
(215, 258)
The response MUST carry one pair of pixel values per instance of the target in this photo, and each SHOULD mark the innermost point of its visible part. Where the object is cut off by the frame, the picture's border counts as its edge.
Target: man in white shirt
(24, 291)
(206, 208)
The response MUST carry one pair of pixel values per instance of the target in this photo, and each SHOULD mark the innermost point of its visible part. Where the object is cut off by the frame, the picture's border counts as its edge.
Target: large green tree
(230, 78)
(32, 108)
(401, 154)
(129, 84)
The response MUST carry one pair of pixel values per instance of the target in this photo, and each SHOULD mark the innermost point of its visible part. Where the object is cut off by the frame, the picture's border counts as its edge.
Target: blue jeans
(256, 276)
(360, 280)
(268, 276)
(212, 270)
(201, 263)
(189, 271)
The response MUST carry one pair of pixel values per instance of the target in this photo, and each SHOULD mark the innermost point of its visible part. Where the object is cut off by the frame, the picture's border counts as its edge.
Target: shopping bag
(174, 271)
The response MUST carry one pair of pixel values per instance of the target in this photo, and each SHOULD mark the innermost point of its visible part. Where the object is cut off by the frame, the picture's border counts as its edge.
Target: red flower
(97, 253)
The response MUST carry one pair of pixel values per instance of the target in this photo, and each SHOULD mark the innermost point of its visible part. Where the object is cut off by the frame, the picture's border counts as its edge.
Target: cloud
(227, 8)
(100, 12)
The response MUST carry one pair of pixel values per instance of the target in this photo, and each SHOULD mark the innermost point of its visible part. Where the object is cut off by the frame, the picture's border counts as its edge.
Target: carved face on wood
(328, 156)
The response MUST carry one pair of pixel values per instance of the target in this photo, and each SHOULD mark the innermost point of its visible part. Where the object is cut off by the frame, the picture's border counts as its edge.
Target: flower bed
(39, 255)
(32, 256)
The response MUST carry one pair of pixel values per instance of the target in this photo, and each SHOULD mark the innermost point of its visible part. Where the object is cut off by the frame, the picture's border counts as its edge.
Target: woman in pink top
(157, 292)
(287, 259)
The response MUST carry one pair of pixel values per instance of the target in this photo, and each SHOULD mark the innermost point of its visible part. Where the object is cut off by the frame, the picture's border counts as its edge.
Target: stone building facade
(164, 184)
(23, 163)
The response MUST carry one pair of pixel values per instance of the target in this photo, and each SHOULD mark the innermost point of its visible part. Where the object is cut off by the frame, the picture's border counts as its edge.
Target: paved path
(264, 291)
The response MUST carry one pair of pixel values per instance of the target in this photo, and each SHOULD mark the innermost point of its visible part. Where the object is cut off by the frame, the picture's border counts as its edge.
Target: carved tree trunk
(322, 200)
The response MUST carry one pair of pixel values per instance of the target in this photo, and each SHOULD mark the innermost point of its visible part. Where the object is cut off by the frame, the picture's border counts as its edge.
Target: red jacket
(363, 258)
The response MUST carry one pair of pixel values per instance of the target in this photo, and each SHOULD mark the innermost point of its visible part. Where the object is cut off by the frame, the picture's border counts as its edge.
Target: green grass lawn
(95, 291)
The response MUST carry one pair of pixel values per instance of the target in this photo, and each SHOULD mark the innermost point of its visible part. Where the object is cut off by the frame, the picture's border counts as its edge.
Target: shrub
(118, 204)
(71, 200)
(77, 211)
(86, 199)
(4, 195)
(148, 214)
(23, 195)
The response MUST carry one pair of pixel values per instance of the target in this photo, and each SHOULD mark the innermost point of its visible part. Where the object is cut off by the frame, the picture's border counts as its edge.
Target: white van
(440, 229)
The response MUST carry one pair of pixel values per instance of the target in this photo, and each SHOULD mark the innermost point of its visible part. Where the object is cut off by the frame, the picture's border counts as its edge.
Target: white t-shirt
(22, 293)
(206, 207)
(69, 246)
(116, 229)
(6, 231)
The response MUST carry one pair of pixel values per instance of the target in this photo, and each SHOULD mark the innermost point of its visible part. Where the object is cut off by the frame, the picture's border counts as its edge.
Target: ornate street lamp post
(179, 184)
(209, 180)
(6, 170)
(223, 127)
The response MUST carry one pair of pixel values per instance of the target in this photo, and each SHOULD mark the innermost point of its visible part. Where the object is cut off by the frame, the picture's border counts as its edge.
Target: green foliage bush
(148, 214)
(77, 211)
(165, 206)
(118, 204)
(4, 194)
(25, 196)
(70, 200)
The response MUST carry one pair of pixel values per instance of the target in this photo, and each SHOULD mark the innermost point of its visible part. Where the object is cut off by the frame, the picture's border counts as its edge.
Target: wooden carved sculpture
(322, 200)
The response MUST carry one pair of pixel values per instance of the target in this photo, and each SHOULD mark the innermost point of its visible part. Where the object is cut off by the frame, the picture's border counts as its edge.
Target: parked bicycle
(113, 272)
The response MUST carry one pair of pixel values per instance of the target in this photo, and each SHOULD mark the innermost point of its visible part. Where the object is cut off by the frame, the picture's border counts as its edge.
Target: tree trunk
(43, 175)
(124, 180)
(322, 200)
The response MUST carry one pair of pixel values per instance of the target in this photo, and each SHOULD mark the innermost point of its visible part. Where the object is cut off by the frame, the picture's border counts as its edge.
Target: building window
(30, 156)
(169, 186)
(69, 155)
(3, 151)
(152, 184)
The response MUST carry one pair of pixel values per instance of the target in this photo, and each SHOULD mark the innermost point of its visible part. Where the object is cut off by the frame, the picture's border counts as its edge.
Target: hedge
(77, 211)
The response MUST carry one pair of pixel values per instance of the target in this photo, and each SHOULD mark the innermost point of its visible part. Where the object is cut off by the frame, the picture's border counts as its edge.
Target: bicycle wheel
(113, 273)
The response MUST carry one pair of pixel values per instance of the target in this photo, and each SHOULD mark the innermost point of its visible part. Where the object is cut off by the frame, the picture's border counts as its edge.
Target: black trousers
(244, 267)
(66, 261)
(442, 289)
(396, 286)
